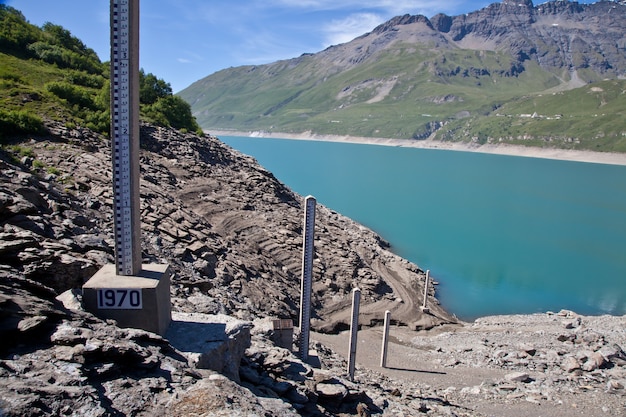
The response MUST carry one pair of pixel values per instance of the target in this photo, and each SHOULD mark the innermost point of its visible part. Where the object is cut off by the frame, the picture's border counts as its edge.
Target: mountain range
(552, 75)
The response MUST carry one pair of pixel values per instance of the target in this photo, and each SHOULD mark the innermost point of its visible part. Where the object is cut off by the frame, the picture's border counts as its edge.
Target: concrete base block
(141, 301)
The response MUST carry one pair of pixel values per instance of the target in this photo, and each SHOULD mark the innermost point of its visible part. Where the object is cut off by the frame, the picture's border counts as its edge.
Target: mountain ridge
(386, 83)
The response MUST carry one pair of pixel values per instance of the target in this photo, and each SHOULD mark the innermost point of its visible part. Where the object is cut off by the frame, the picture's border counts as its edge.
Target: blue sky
(182, 41)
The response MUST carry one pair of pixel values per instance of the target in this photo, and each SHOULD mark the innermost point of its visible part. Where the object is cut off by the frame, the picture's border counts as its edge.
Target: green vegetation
(160, 107)
(22, 150)
(17, 122)
(590, 117)
(408, 91)
(48, 74)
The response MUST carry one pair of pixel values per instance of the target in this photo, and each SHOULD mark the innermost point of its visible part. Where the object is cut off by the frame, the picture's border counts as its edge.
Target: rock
(198, 248)
(517, 377)
(595, 360)
(250, 375)
(566, 337)
(363, 410)
(528, 349)
(614, 386)
(209, 210)
(475, 390)
(613, 354)
(218, 396)
(333, 391)
(570, 364)
(297, 396)
(215, 342)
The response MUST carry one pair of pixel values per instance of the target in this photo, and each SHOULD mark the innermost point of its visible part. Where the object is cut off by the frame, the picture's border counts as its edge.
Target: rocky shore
(611, 158)
(232, 235)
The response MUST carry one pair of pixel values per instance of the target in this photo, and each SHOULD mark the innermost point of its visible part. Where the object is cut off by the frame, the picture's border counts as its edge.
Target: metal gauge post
(125, 134)
(307, 276)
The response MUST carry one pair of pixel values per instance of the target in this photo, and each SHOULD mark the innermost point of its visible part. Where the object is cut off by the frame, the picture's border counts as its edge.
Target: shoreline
(606, 158)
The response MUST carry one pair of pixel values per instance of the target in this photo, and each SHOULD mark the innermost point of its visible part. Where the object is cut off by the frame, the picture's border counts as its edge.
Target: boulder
(216, 342)
(570, 364)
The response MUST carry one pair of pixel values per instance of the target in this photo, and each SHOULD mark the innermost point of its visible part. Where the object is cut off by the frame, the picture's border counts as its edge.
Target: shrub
(15, 31)
(152, 88)
(73, 94)
(53, 170)
(19, 122)
(85, 79)
(172, 111)
(22, 150)
(64, 58)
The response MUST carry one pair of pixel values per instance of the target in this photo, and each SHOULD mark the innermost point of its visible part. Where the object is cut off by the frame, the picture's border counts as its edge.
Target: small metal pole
(383, 353)
(426, 282)
(354, 328)
(307, 276)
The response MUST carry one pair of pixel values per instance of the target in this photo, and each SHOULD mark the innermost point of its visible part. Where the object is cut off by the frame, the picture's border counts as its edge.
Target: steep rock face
(559, 35)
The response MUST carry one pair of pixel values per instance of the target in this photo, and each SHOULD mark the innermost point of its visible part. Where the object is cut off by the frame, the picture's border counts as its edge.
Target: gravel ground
(550, 365)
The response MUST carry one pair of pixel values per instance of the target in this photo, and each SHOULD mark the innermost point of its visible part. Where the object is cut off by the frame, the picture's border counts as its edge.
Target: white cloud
(344, 30)
(386, 7)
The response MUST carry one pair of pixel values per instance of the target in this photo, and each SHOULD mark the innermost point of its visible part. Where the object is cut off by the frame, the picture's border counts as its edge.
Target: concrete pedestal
(141, 301)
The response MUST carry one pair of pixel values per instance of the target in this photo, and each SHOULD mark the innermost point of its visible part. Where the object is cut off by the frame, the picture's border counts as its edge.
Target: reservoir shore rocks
(610, 158)
(231, 233)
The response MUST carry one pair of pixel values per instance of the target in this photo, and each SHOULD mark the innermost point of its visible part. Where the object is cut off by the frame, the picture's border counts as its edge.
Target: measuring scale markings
(123, 16)
(307, 276)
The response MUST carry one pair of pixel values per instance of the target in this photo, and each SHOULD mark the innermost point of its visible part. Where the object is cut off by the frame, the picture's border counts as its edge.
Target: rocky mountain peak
(556, 34)
(518, 3)
(406, 19)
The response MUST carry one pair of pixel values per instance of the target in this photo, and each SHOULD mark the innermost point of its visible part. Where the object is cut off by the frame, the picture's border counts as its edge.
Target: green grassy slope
(423, 86)
(47, 91)
(48, 74)
(409, 91)
(591, 117)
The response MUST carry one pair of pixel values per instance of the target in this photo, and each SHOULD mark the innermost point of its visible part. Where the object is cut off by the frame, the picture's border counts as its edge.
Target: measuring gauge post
(133, 294)
(125, 134)
(307, 276)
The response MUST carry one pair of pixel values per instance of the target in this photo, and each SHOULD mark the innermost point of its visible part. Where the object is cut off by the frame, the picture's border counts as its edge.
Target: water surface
(501, 234)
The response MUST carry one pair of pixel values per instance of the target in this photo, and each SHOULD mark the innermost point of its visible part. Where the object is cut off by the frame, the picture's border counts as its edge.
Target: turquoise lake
(501, 234)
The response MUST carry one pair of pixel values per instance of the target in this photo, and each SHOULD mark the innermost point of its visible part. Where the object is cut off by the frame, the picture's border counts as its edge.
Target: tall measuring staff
(131, 293)
(308, 253)
(125, 134)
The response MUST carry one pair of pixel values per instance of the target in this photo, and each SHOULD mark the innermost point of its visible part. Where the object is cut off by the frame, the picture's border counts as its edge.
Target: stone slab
(216, 342)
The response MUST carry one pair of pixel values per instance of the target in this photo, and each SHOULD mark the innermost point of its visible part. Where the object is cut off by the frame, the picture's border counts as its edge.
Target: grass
(23, 87)
(462, 90)
(591, 117)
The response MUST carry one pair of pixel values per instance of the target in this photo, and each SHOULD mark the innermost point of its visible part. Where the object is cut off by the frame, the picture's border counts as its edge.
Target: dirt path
(473, 365)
